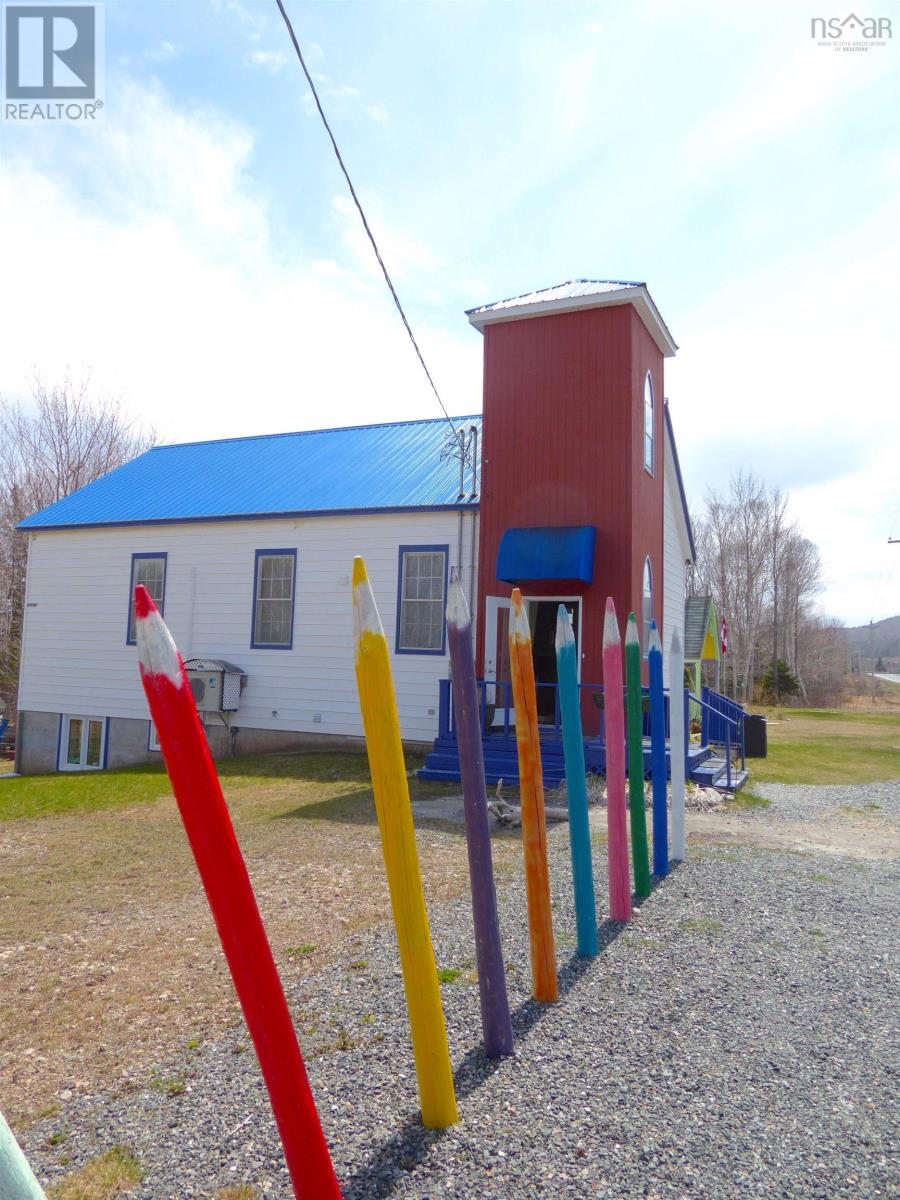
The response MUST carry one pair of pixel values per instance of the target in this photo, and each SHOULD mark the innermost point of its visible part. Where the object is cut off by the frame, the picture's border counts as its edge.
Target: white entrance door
(82, 743)
(496, 656)
(541, 612)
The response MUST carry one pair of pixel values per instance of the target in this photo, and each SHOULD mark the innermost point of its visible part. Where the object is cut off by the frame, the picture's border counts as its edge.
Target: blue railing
(718, 706)
(498, 710)
(729, 731)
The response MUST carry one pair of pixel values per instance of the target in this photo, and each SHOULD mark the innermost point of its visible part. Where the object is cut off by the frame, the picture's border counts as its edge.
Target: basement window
(422, 599)
(82, 743)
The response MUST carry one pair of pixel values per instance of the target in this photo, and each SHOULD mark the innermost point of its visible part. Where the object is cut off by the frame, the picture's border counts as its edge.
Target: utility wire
(359, 207)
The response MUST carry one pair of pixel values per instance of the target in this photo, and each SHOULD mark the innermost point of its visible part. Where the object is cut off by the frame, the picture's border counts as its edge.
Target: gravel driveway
(738, 1038)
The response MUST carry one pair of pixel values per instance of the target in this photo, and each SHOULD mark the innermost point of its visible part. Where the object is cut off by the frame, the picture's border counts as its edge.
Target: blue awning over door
(564, 552)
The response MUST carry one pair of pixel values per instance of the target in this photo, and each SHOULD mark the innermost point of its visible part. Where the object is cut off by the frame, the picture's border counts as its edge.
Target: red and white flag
(724, 634)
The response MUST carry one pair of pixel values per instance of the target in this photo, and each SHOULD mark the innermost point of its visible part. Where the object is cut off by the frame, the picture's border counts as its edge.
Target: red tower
(572, 466)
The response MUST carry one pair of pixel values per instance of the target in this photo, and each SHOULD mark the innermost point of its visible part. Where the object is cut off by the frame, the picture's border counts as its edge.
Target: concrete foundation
(37, 737)
(37, 742)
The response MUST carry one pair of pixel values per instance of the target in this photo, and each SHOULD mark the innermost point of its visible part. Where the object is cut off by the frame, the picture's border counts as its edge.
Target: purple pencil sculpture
(495, 1020)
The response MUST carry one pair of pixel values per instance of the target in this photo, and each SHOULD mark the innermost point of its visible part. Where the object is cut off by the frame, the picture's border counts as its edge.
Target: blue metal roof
(356, 469)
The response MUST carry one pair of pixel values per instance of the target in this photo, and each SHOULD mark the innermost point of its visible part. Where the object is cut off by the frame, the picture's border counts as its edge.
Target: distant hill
(881, 639)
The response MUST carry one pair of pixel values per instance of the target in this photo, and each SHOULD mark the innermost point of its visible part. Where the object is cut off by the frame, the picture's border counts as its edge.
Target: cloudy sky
(198, 253)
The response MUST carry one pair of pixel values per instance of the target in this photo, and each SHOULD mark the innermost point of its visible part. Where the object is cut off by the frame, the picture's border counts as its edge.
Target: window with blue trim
(150, 570)
(273, 600)
(422, 599)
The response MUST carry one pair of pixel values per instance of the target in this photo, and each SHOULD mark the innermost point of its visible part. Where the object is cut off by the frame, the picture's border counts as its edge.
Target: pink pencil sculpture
(614, 708)
(230, 894)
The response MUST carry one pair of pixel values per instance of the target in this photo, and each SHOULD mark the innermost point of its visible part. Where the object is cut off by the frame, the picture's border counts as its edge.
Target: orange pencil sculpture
(531, 787)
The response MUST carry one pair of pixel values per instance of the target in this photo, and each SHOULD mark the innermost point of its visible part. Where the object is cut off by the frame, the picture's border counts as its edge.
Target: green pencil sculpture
(634, 701)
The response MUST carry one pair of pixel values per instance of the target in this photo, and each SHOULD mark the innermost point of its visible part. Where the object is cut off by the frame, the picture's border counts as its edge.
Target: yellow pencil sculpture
(398, 842)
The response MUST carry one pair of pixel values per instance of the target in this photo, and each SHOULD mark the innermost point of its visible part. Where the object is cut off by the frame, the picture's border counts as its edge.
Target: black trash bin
(756, 743)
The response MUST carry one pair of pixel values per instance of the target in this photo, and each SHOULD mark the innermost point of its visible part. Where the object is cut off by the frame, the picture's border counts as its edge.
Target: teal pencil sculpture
(576, 787)
(639, 856)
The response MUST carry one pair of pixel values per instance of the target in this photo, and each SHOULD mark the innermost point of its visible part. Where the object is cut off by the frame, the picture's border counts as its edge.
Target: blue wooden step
(501, 760)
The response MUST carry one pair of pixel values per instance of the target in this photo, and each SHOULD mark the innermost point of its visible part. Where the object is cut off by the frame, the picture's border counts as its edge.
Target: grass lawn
(828, 746)
(104, 918)
(94, 791)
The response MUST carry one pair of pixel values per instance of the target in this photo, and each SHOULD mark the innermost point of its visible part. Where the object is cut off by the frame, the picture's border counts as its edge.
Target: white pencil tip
(611, 635)
(365, 610)
(457, 608)
(156, 647)
(676, 641)
(565, 635)
(518, 618)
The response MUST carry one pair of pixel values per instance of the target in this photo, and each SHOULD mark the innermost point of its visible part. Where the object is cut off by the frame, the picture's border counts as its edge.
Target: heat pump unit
(207, 689)
(216, 684)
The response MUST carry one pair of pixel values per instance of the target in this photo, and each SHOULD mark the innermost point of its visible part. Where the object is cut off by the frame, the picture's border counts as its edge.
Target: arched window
(648, 423)
(647, 602)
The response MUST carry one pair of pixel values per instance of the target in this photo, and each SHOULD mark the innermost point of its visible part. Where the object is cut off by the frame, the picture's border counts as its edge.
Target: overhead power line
(362, 215)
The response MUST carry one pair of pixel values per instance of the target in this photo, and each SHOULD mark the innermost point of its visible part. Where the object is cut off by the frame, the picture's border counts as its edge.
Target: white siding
(75, 658)
(676, 549)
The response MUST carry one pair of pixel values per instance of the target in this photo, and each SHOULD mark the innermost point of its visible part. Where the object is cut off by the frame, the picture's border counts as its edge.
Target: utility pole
(872, 655)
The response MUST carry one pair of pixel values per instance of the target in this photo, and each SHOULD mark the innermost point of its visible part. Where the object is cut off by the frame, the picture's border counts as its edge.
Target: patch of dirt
(109, 959)
(867, 838)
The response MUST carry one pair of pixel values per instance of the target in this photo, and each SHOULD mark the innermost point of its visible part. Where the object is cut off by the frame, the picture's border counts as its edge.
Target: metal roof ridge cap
(623, 283)
(254, 437)
(277, 515)
(630, 294)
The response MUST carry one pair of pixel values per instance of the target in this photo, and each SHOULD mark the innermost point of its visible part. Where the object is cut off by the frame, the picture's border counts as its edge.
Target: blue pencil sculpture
(658, 754)
(576, 787)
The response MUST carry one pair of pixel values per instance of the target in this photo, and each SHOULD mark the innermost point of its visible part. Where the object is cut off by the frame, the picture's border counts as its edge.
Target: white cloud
(341, 99)
(271, 60)
(164, 52)
(794, 360)
(172, 292)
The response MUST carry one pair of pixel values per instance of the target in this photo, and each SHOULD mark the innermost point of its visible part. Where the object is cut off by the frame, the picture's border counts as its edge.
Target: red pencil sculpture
(230, 894)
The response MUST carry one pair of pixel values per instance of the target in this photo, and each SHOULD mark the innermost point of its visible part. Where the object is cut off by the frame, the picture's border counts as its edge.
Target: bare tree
(777, 534)
(60, 442)
(801, 571)
(765, 575)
